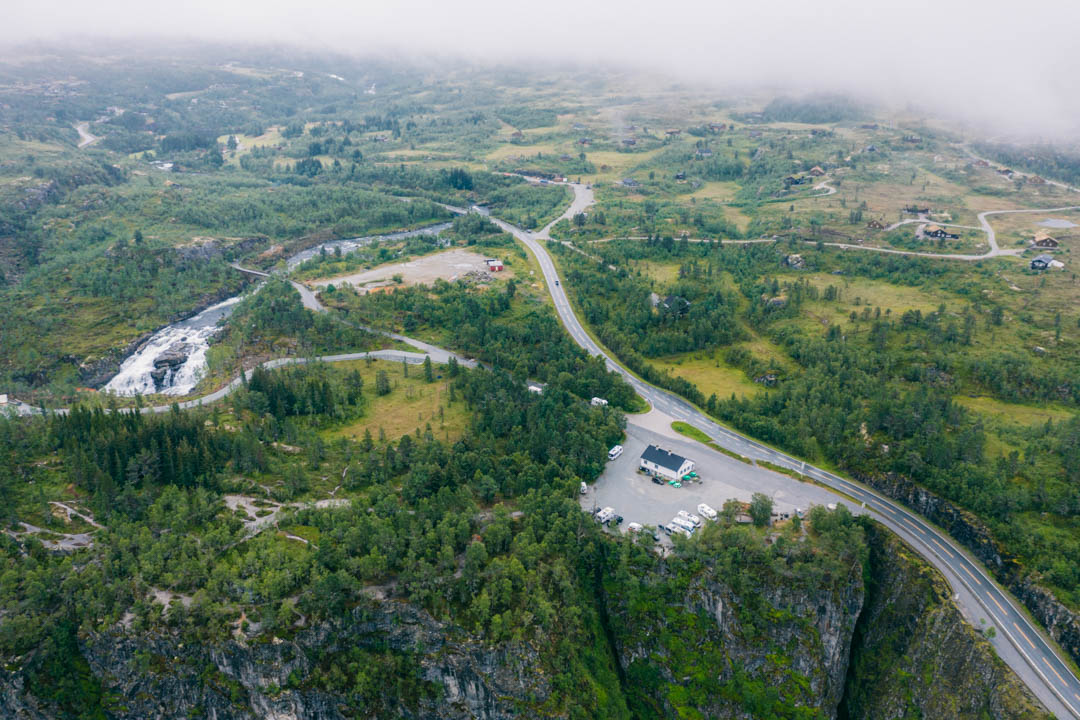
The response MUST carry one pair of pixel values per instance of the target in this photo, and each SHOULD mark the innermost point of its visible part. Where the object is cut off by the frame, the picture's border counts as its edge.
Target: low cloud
(1001, 66)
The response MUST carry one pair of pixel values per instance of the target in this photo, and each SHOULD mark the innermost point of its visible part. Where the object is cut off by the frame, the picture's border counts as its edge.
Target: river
(173, 360)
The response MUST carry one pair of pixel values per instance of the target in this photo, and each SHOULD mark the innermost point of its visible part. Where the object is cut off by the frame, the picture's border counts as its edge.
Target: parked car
(615, 452)
(584, 488)
(616, 520)
(691, 517)
(664, 528)
(658, 480)
(634, 527)
(682, 530)
(681, 522)
(706, 511)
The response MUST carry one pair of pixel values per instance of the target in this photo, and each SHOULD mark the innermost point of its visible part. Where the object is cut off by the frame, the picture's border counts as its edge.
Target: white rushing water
(176, 355)
(193, 338)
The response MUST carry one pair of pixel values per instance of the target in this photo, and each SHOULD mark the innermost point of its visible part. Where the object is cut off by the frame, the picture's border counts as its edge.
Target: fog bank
(1000, 64)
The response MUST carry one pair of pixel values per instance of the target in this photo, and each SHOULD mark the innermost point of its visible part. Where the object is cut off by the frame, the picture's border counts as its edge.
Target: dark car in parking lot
(658, 480)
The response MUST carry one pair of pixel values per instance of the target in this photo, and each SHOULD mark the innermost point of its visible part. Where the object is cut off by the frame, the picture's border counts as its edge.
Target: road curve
(1019, 641)
(85, 138)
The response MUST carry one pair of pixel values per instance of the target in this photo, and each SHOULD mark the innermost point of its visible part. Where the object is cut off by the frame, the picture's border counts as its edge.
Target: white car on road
(706, 511)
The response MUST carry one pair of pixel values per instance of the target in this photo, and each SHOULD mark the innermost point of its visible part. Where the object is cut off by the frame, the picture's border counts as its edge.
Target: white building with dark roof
(657, 461)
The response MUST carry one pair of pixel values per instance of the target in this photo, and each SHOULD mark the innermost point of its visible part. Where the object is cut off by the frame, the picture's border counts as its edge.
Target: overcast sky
(1005, 63)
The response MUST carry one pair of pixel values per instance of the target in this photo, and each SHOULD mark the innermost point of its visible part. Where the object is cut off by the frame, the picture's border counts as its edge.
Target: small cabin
(1042, 262)
(816, 171)
(1043, 240)
(936, 231)
(875, 225)
(494, 265)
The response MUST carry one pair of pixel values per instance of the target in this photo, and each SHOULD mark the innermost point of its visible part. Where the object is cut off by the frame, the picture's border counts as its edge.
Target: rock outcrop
(870, 635)
(1062, 623)
(167, 363)
(745, 645)
(914, 655)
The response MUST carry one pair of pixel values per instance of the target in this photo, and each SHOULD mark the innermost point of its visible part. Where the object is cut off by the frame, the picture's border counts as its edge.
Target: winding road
(85, 138)
(1018, 640)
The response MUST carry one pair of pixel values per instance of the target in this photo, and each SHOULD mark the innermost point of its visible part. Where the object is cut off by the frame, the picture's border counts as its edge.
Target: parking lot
(638, 499)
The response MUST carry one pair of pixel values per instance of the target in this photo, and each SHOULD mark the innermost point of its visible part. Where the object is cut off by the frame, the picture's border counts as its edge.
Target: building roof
(663, 458)
(933, 228)
(1044, 258)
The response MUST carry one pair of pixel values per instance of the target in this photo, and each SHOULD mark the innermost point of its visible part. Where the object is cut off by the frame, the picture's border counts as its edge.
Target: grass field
(720, 191)
(612, 165)
(509, 150)
(709, 374)
(662, 273)
(857, 292)
(1027, 415)
(411, 405)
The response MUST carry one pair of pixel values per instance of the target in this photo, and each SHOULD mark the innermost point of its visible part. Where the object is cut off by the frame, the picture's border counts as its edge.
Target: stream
(173, 360)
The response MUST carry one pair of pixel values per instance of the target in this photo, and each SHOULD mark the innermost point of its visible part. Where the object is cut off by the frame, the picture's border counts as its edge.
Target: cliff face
(1062, 623)
(913, 654)
(872, 635)
(729, 644)
(416, 668)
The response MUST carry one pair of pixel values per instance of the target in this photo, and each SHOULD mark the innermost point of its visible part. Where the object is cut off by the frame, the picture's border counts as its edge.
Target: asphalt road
(438, 356)
(1018, 641)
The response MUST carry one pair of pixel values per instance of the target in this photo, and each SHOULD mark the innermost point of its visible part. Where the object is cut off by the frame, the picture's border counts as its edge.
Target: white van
(614, 452)
(634, 527)
(706, 511)
(690, 517)
(604, 515)
(584, 488)
(681, 522)
(681, 529)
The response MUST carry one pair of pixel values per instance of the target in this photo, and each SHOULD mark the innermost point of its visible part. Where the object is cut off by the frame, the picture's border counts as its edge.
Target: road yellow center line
(1025, 636)
(997, 603)
(943, 549)
(971, 574)
(1053, 670)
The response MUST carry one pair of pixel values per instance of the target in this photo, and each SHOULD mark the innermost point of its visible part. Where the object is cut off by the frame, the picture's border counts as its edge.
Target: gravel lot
(449, 265)
(634, 495)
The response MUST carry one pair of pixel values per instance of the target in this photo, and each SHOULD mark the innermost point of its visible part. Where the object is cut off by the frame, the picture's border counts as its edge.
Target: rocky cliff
(913, 655)
(1062, 623)
(415, 667)
(729, 629)
(739, 633)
